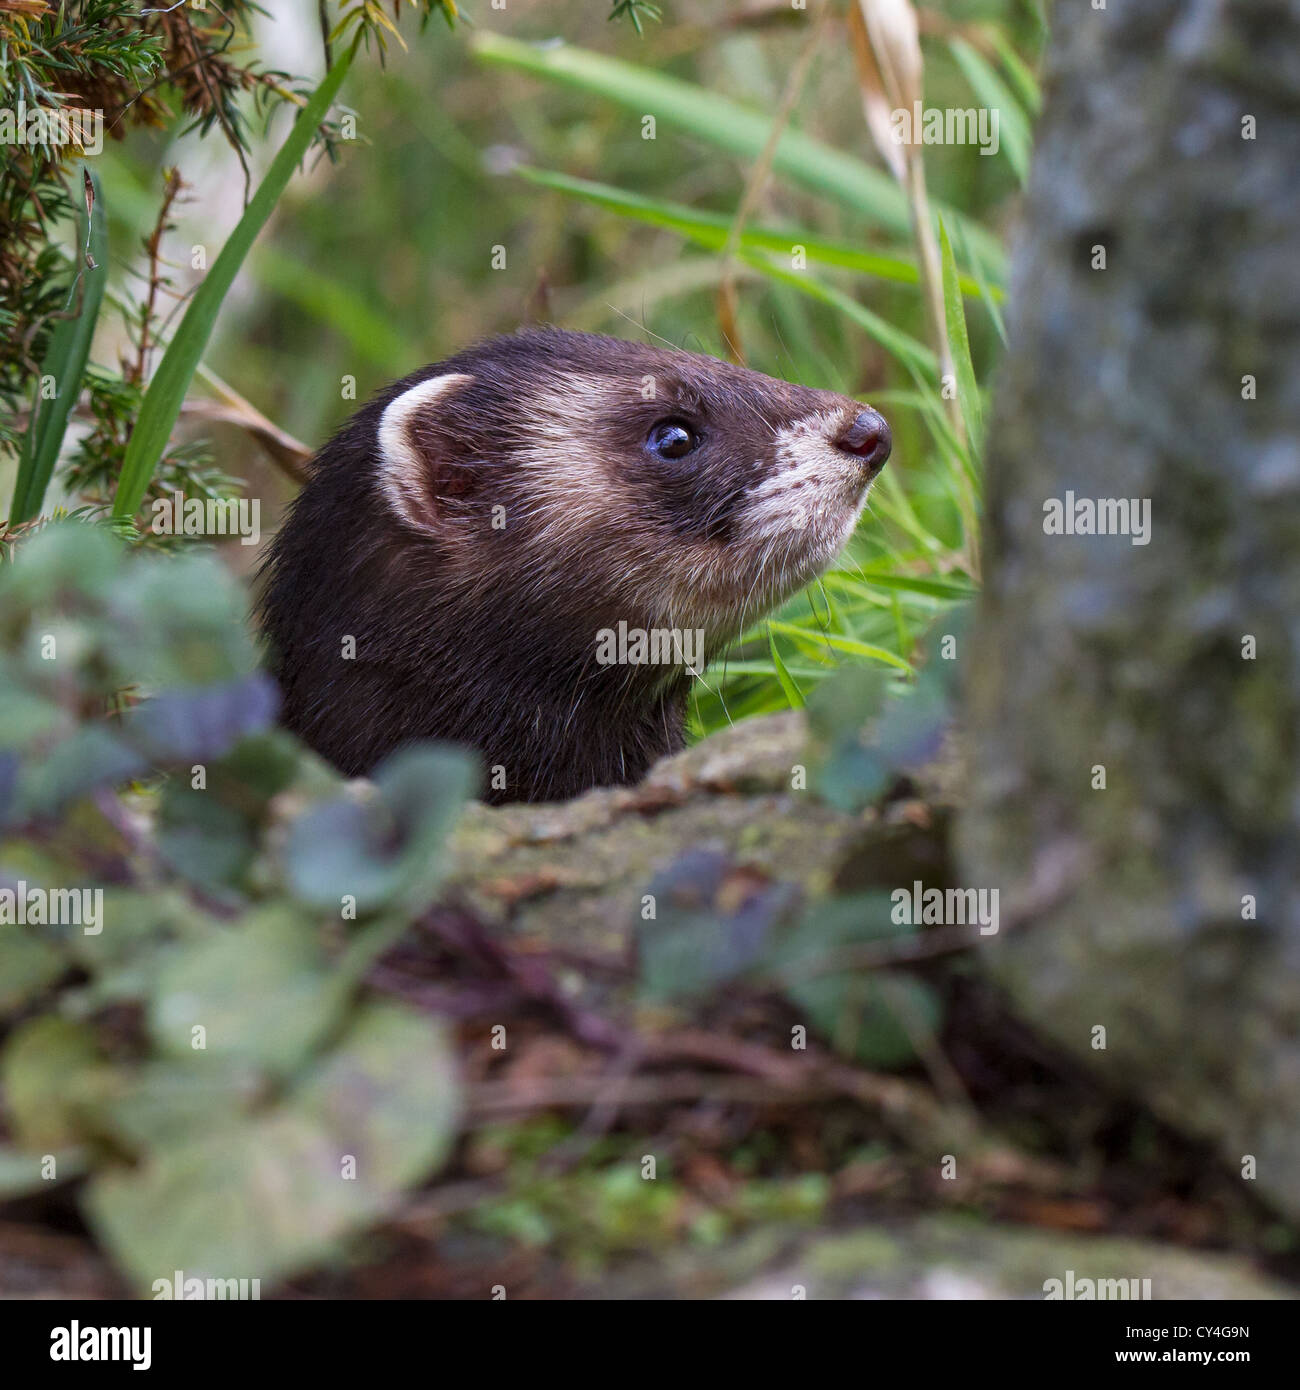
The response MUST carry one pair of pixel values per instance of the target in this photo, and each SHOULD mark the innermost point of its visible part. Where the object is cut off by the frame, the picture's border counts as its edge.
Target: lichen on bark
(1155, 355)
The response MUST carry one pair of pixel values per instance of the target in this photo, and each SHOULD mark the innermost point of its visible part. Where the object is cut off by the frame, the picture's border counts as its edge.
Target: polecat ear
(420, 465)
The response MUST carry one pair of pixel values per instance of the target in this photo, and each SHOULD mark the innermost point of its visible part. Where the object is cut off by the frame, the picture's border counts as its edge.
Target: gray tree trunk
(1171, 376)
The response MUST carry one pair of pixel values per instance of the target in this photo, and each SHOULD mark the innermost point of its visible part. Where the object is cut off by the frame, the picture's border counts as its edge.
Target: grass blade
(710, 229)
(65, 363)
(992, 92)
(968, 396)
(792, 692)
(913, 354)
(851, 645)
(1018, 73)
(704, 231)
(728, 125)
(915, 584)
(166, 393)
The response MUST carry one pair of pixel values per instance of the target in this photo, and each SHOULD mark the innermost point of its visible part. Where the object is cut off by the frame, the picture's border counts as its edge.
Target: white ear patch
(403, 474)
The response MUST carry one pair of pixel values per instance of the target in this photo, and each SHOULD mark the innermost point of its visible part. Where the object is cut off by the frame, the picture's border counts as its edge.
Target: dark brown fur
(487, 636)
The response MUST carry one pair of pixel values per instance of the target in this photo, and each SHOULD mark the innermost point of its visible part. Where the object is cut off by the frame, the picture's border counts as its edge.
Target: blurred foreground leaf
(273, 1194)
(388, 849)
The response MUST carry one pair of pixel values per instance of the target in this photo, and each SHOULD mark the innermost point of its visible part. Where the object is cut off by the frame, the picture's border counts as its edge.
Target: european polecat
(529, 547)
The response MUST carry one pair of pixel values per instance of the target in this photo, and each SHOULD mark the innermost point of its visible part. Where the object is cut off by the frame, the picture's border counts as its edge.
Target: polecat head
(599, 478)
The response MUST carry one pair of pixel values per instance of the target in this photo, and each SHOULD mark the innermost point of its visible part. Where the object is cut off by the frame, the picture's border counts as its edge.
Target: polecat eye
(671, 439)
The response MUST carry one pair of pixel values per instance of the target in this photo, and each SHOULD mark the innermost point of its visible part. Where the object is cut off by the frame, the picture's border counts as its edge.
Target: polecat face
(667, 487)
(468, 541)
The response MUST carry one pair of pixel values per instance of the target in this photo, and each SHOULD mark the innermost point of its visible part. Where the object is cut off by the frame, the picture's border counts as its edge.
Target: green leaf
(259, 768)
(387, 850)
(65, 362)
(162, 401)
(967, 391)
(870, 1017)
(66, 557)
(847, 772)
(914, 584)
(388, 1093)
(202, 724)
(21, 1173)
(177, 621)
(701, 936)
(160, 1103)
(90, 758)
(793, 695)
(265, 1197)
(260, 991)
(711, 230)
(200, 838)
(29, 964)
(726, 124)
(26, 717)
(126, 957)
(994, 94)
(851, 645)
(210, 835)
(991, 298)
(47, 1071)
(911, 730)
(1022, 78)
(255, 1200)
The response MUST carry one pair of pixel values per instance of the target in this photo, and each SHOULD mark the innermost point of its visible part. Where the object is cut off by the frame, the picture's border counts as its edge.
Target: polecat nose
(866, 437)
